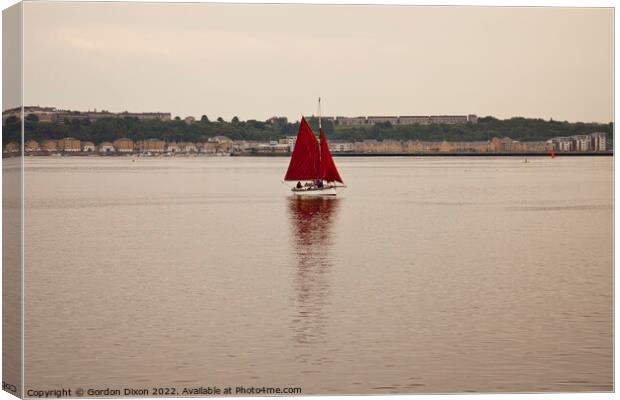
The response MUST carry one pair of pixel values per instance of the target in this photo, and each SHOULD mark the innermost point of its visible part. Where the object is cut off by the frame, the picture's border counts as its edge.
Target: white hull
(328, 191)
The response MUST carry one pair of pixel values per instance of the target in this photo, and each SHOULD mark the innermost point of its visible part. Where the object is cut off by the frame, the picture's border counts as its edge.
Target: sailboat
(312, 165)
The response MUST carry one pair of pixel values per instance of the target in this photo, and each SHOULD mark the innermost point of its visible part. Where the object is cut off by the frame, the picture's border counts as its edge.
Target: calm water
(426, 275)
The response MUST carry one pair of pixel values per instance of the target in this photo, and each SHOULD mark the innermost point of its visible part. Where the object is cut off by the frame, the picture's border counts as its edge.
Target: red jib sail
(305, 160)
(328, 170)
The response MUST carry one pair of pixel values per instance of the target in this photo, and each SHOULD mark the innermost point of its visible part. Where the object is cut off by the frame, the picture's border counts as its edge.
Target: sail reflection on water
(311, 221)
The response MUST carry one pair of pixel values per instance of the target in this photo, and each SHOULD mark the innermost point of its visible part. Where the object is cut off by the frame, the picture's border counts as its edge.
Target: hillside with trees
(110, 129)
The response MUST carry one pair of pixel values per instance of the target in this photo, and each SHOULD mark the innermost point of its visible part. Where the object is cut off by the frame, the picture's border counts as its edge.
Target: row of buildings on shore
(406, 119)
(393, 119)
(596, 141)
(52, 114)
(593, 142)
(216, 145)
(221, 145)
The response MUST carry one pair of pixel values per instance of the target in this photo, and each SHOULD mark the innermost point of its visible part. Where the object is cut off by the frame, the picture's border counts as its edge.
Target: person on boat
(298, 185)
(319, 183)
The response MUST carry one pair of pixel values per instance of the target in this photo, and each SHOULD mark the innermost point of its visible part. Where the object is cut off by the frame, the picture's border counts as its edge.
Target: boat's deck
(312, 188)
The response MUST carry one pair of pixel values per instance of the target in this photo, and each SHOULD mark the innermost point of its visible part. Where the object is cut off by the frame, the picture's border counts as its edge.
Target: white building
(272, 147)
(351, 120)
(414, 119)
(188, 147)
(106, 147)
(599, 141)
(449, 119)
(582, 142)
(562, 143)
(377, 119)
(289, 141)
(88, 146)
(338, 147)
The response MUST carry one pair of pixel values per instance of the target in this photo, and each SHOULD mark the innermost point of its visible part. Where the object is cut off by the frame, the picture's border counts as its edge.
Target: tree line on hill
(110, 129)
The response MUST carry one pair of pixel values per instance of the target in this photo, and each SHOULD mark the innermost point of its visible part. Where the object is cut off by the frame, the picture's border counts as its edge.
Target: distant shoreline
(608, 153)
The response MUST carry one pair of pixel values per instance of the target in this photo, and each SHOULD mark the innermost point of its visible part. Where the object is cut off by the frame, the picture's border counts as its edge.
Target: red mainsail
(328, 170)
(305, 160)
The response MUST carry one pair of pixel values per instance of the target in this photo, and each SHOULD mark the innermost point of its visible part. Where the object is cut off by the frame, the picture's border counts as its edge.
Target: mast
(319, 113)
(319, 134)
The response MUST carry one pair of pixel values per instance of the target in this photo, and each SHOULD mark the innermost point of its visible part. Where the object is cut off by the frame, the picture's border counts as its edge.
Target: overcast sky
(257, 61)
